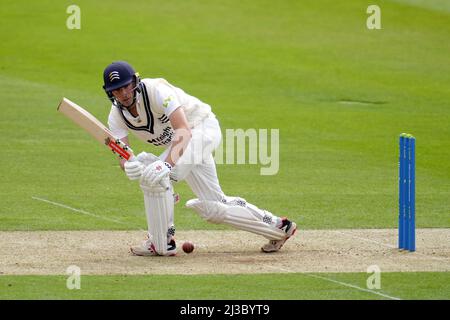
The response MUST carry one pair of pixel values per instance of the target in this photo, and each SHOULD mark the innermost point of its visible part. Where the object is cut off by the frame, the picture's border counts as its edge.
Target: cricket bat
(94, 127)
(97, 130)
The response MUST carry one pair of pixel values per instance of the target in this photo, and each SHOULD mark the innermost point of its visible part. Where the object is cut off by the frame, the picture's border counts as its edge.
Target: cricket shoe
(289, 228)
(148, 249)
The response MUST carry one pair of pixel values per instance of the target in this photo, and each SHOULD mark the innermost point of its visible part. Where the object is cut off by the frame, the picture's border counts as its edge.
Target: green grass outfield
(340, 95)
(394, 286)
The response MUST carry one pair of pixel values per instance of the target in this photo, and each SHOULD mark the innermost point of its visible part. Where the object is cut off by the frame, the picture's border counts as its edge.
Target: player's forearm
(182, 136)
(181, 140)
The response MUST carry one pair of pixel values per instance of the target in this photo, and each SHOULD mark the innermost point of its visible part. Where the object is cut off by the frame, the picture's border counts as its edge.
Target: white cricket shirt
(155, 103)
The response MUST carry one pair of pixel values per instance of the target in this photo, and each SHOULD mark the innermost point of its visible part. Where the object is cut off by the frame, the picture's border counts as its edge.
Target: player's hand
(156, 172)
(133, 169)
(147, 158)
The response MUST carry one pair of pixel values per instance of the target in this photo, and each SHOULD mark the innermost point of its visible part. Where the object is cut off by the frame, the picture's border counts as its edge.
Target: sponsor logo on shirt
(164, 139)
(166, 101)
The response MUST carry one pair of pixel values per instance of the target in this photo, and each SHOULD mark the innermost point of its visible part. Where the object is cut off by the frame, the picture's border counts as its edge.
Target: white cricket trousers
(196, 165)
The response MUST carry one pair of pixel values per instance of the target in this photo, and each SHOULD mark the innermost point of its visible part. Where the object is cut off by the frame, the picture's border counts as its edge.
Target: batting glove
(133, 169)
(156, 172)
(146, 158)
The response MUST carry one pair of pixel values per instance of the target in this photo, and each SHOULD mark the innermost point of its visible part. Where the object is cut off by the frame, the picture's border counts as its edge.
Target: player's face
(125, 94)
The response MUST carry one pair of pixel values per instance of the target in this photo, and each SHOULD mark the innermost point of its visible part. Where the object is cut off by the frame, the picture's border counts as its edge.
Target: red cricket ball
(188, 247)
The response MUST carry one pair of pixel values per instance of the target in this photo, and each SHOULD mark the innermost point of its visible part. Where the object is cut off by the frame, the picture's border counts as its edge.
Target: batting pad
(159, 207)
(239, 214)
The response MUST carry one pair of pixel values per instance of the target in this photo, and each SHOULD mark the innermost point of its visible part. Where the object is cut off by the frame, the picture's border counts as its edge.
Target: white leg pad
(159, 207)
(238, 213)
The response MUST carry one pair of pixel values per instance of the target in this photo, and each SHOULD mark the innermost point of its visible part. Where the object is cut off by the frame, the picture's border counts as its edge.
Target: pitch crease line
(80, 211)
(365, 239)
(388, 245)
(340, 283)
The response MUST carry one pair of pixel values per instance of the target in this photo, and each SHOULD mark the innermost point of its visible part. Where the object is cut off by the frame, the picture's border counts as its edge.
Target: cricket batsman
(163, 115)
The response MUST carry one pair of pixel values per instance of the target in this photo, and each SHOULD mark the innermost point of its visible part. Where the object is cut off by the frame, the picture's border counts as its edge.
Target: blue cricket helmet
(116, 75)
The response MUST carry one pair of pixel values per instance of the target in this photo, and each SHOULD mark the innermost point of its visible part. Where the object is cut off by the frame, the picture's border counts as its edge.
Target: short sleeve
(166, 98)
(116, 124)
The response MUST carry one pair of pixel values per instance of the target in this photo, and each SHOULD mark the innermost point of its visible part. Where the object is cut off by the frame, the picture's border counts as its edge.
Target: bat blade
(94, 127)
